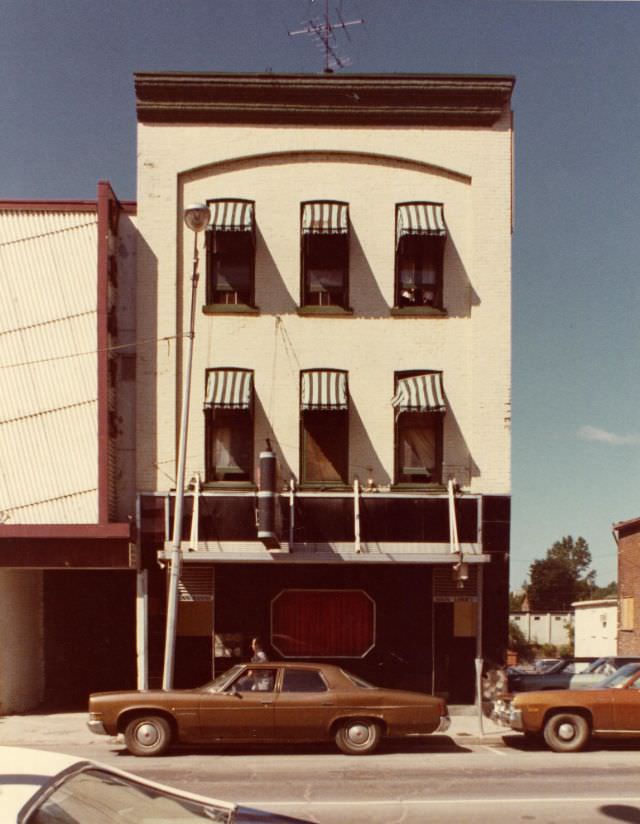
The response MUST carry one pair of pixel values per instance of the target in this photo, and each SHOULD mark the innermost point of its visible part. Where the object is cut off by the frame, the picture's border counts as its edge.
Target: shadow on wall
(272, 295)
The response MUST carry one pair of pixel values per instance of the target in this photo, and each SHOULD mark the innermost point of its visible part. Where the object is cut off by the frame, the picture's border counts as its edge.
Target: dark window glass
(325, 446)
(325, 264)
(229, 435)
(419, 271)
(303, 681)
(230, 267)
(419, 447)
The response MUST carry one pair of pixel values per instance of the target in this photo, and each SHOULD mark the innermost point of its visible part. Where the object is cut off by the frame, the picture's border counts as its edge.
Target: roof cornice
(394, 99)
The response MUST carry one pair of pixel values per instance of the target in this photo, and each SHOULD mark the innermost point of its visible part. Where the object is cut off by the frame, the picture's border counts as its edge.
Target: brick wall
(629, 588)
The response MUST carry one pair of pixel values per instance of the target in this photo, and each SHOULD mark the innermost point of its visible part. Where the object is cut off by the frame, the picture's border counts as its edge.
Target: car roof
(25, 771)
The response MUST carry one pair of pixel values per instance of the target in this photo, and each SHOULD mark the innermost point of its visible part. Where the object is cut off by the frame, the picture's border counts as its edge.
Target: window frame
(244, 421)
(437, 419)
(307, 239)
(430, 248)
(334, 417)
(211, 235)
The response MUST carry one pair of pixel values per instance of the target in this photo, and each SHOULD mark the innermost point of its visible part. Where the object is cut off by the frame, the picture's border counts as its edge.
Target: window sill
(418, 312)
(229, 309)
(324, 311)
(244, 485)
(324, 487)
(436, 488)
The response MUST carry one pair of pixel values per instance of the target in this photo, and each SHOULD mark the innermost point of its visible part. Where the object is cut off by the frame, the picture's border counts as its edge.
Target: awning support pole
(356, 514)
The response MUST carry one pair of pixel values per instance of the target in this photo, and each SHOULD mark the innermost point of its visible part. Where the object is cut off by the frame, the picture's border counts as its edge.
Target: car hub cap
(566, 732)
(358, 734)
(147, 734)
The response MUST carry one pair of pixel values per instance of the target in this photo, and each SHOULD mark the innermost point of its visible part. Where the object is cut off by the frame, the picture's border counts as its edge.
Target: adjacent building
(627, 538)
(67, 561)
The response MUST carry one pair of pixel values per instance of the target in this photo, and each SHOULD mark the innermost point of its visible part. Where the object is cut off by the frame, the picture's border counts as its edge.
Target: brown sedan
(275, 702)
(568, 718)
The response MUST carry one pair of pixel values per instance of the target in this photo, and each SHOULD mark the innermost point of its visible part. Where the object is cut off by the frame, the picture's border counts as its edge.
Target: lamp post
(196, 218)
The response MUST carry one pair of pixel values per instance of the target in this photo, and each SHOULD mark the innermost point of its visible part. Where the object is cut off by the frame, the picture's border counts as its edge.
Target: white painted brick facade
(468, 169)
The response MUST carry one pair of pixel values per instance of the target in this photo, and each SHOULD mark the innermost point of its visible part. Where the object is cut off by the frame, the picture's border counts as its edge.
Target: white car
(38, 787)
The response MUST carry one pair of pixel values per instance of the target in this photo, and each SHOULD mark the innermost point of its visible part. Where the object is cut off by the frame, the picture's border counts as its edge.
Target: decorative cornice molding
(372, 100)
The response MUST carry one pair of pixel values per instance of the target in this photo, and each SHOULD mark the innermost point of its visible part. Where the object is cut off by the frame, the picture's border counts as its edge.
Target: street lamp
(196, 218)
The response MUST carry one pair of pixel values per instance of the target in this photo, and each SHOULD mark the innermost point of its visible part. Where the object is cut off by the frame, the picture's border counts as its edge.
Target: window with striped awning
(325, 217)
(232, 215)
(324, 389)
(229, 389)
(420, 219)
(420, 393)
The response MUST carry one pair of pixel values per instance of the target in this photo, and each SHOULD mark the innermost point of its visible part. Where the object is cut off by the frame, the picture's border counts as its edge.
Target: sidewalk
(59, 728)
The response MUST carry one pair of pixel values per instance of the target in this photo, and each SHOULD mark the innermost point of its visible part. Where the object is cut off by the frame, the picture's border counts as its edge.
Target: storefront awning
(420, 219)
(229, 389)
(326, 218)
(324, 389)
(420, 393)
(232, 215)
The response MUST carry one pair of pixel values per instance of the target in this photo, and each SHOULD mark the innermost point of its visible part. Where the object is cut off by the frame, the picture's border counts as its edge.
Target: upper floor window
(324, 426)
(229, 425)
(419, 423)
(325, 253)
(420, 237)
(231, 252)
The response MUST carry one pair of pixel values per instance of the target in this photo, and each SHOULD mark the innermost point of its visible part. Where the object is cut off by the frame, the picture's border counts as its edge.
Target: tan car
(567, 719)
(274, 702)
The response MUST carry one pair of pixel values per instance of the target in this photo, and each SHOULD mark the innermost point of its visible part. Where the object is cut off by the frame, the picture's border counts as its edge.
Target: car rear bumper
(445, 723)
(96, 726)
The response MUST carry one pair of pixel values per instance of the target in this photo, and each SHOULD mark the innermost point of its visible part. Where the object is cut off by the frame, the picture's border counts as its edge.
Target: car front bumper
(445, 723)
(515, 720)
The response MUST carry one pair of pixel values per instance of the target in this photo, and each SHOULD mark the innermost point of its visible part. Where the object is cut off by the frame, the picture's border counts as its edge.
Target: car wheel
(358, 737)
(567, 732)
(147, 735)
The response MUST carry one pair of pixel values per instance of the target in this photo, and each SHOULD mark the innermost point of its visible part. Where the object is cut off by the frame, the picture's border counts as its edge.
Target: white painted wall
(469, 170)
(596, 627)
(21, 649)
(544, 627)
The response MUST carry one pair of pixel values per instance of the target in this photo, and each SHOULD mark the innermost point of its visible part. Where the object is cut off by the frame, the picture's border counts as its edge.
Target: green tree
(562, 577)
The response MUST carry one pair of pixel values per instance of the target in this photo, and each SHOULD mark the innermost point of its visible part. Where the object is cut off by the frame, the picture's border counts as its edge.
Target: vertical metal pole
(142, 629)
(479, 658)
(174, 575)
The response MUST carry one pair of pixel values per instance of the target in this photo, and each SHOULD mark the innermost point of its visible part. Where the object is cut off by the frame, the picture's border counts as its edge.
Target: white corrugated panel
(48, 367)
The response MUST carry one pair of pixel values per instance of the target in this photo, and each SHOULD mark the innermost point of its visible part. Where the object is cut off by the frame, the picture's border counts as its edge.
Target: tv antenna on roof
(322, 30)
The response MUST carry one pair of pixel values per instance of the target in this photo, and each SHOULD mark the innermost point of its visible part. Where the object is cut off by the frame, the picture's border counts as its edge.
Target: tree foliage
(562, 577)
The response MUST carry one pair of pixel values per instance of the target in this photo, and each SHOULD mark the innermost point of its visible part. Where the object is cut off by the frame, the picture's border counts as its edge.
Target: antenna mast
(323, 32)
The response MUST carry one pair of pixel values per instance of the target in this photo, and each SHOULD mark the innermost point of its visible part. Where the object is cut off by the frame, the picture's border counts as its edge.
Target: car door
(627, 707)
(243, 712)
(305, 706)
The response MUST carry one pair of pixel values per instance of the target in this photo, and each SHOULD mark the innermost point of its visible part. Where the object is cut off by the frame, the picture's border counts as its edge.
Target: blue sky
(68, 120)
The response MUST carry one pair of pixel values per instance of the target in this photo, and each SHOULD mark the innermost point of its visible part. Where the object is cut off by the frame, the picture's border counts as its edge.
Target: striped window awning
(420, 219)
(229, 389)
(325, 218)
(324, 389)
(420, 393)
(232, 215)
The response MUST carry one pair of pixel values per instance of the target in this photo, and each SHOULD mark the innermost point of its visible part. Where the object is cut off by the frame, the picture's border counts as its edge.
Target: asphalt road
(435, 780)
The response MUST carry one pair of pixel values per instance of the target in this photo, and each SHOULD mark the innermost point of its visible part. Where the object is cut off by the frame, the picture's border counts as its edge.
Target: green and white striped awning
(324, 389)
(420, 393)
(232, 215)
(420, 219)
(325, 218)
(229, 389)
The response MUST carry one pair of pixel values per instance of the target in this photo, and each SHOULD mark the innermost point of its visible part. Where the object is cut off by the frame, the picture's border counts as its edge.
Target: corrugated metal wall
(48, 367)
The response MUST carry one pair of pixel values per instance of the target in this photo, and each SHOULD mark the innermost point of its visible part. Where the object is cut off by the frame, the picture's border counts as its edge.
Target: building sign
(322, 623)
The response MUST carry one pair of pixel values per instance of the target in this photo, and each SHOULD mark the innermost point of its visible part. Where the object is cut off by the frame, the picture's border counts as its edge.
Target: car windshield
(595, 666)
(103, 798)
(218, 684)
(359, 682)
(620, 677)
